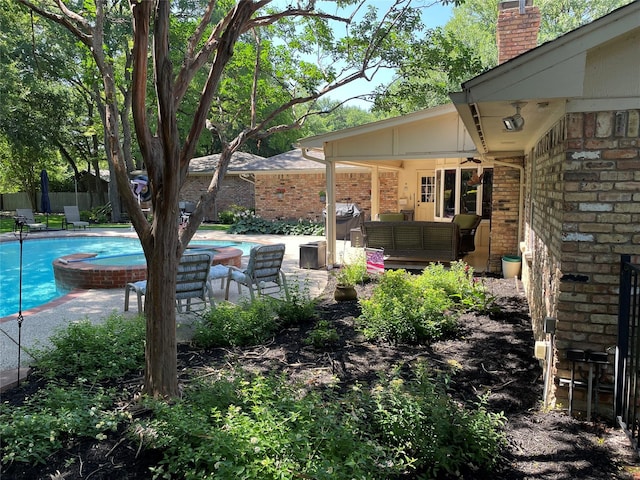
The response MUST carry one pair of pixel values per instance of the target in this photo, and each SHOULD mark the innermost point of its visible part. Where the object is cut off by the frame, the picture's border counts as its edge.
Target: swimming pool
(38, 283)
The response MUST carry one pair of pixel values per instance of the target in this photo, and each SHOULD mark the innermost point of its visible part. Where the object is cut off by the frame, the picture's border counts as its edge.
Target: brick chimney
(517, 28)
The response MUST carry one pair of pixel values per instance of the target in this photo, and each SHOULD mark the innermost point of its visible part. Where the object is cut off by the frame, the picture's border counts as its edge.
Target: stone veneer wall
(584, 213)
(301, 194)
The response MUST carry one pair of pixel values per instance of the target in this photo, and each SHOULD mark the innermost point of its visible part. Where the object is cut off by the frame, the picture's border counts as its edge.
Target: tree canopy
(240, 71)
(466, 46)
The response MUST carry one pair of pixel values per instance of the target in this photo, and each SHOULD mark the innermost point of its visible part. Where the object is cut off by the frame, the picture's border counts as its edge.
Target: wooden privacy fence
(85, 201)
(627, 387)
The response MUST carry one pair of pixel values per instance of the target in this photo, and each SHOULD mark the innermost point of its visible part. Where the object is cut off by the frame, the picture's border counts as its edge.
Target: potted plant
(323, 196)
(347, 277)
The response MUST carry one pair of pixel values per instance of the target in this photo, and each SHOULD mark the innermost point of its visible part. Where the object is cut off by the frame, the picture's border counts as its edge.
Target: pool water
(38, 283)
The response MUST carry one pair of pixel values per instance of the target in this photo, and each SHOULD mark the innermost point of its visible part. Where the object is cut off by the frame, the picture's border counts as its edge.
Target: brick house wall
(505, 212)
(233, 191)
(300, 199)
(583, 213)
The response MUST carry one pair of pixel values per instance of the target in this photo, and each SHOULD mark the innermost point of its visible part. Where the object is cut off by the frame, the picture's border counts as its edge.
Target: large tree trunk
(161, 250)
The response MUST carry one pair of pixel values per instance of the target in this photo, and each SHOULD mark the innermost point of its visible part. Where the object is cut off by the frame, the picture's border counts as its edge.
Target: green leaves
(53, 417)
(252, 323)
(421, 308)
(236, 425)
(94, 352)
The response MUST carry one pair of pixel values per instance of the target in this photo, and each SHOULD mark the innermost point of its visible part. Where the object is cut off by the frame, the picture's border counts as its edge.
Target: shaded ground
(495, 355)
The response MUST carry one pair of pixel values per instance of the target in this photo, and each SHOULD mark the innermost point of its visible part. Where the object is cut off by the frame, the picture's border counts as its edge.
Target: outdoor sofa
(414, 242)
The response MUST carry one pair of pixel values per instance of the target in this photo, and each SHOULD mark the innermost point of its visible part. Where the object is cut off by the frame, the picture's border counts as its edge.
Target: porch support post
(330, 230)
(375, 192)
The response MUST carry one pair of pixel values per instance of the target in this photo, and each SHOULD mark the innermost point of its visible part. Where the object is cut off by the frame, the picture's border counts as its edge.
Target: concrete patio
(95, 305)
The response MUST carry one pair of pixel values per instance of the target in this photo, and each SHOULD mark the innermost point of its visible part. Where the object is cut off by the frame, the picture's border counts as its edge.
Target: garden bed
(494, 357)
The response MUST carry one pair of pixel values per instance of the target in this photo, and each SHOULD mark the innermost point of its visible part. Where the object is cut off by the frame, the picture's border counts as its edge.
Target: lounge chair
(468, 224)
(72, 217)
(26, 217)
(192, 282)
(218, 272)
(186, 209)
(263, 273)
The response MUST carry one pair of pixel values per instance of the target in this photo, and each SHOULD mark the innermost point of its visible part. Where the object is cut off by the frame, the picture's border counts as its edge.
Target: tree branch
(65, 21)
(141, 12)
(254, 84)
(237, 20)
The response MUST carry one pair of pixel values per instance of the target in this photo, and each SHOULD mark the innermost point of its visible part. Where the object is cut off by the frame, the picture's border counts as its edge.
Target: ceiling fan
(471, 159)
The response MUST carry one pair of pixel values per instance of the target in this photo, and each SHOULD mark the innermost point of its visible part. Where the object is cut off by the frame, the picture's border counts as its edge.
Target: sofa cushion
(391, 217)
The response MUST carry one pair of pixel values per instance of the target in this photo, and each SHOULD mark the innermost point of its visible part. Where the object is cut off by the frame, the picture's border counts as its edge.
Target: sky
(434, 14)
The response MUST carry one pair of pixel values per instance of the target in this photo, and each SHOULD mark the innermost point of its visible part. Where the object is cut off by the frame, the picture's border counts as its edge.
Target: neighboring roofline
(318, 141)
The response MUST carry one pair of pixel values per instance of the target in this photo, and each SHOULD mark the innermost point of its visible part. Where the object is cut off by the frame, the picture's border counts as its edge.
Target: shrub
(353, 271)
(421, 422)
(251, 323)
(248, 323)
(94, 352)
(98, 214)
(257, 225)
(459, 284)
(235, 426)
(403, 309)
(299, 308)
(323, 335)
(53, 417)
(235, 213)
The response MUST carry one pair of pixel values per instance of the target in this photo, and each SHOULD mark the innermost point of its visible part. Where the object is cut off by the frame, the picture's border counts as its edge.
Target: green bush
(353, 271)
(422, 422)
(248, 323)
(323, 335)
(234, 214)
(94, 352)
(251, 323)
(459, 284)
(299, 308)
(256, 225)
(51, 419)
(406, 308)
(98, 214)
(234, 427)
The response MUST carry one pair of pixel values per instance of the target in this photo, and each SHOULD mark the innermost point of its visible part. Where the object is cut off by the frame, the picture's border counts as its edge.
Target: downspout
(330, 224)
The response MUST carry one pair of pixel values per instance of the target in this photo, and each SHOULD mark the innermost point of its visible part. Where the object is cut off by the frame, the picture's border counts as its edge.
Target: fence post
(622, 348)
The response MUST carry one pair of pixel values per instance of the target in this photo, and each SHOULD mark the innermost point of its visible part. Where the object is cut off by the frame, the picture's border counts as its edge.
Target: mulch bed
(495, 355)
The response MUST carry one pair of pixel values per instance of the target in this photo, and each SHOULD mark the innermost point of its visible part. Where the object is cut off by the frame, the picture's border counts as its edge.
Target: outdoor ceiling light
(515, 122)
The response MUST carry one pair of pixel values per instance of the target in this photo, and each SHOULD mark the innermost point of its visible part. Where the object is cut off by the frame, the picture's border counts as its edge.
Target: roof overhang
(545, 83)
(427, 134)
